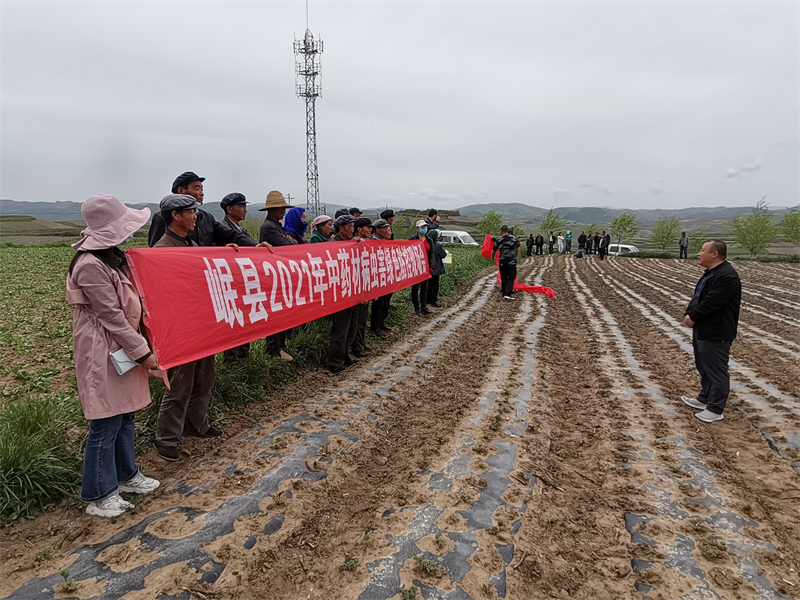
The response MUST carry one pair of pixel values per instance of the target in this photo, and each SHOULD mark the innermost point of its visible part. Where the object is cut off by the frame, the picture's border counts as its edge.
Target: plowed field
(527, 449)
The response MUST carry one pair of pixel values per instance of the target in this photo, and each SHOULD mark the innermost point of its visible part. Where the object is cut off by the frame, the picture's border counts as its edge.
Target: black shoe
(348, 362)
(362, 353)
(337, 370)
(385, 328)
(211, 432)
(425, 311)
(417, 311)
(434, 304)
(168, 453)
(378, 332)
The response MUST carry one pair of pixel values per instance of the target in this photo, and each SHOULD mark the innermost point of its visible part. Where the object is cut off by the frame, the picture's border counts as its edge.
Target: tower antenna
(308, 66)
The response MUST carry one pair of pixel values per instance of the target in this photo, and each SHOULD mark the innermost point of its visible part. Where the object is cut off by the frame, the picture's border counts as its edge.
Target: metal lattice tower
(308, 66)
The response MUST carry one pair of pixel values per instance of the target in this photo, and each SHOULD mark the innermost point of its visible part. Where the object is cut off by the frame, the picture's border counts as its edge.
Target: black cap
(387, 214)
(185, 179)
(355, 210)
(231, 199)
(340, 212)
(363, 222)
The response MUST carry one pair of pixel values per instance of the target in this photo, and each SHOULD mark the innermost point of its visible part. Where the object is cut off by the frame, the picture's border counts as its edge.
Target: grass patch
(42, 429)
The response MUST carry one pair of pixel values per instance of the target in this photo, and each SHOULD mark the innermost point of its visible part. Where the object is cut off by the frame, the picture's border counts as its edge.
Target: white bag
(122, 362)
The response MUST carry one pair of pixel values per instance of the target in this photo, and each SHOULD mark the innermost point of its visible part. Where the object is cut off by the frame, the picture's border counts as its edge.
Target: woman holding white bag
(107, 321)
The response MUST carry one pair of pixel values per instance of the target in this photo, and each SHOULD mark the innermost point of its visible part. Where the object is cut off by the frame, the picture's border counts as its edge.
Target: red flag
(486, 252)
(203, 300)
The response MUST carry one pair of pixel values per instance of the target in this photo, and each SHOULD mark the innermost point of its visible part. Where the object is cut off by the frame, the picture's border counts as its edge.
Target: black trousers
(433, 289)
(380, 312)
(356, 340)
(540, 249)
(684, 252)
(237, 354)
(569, 245)
(602, 253)
(711, 358)
(341, 325)
(276, 342)
(508, 273)
(419, 295)
(530, 249)
(550, 247)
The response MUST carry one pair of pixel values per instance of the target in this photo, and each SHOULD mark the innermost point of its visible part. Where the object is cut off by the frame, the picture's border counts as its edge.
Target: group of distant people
(588, 243)
(107, 321)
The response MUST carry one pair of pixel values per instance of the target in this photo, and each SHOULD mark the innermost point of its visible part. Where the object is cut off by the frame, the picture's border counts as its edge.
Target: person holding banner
(436, 256)
(507, 247)
(208, 231)
(419, 291)
(106, 324)
(380, 306)
(184, 407)
(344, 324)
(358, 346)
(296, 225)
(272, 232)
(235, 207)
(323, 228)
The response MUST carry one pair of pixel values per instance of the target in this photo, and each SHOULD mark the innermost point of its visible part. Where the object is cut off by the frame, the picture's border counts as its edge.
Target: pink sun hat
(108, 222)
(319, 220)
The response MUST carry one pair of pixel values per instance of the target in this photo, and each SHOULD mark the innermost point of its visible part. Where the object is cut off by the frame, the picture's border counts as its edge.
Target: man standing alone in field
(713, 315)
(683, 244)
(508, 248)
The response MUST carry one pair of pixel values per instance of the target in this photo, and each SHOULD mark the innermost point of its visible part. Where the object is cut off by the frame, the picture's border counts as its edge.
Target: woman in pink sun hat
(106, 320)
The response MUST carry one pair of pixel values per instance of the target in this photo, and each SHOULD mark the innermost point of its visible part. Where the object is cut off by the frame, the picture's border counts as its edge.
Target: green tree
(518, 230)
(666, 232)
(791, 227)
(490, 223)
(552, 222)
(624, 227)
(755, 231)
(697, 238)
(594, 227)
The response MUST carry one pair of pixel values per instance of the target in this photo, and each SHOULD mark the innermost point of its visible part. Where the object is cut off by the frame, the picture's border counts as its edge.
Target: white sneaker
(508, 297)
(112, 506)
(693, 402)
(708, 417)
(139, 484)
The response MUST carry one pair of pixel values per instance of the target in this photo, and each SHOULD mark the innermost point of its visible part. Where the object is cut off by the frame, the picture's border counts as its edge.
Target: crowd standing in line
(108, 312)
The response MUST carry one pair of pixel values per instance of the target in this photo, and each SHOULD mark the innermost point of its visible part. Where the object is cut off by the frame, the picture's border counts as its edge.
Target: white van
(617, 249)
(450, 236)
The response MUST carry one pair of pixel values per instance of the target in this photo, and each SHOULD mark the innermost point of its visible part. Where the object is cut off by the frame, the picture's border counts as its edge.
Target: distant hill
(514, 212)
(531, 214)
(16, 225)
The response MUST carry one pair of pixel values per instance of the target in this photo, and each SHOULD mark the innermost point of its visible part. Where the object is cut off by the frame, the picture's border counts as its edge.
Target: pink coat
(107, 316)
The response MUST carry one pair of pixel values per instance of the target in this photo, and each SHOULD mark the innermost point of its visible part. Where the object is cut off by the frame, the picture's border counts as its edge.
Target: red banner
(200, 301)
(486, 252)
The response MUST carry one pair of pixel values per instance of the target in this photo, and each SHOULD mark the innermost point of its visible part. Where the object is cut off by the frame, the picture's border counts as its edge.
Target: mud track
(528, 449)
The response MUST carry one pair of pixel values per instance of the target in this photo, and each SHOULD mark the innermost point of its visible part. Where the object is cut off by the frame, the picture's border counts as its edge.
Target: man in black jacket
(529, 244)
(207, 231)
(539, 243)
(713, 315)
(507, 246)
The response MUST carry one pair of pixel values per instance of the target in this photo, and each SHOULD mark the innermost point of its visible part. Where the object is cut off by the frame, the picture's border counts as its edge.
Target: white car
(450, 236)
(617, 249)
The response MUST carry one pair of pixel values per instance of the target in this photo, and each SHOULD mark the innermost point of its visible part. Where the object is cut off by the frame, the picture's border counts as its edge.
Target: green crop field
(42, 430)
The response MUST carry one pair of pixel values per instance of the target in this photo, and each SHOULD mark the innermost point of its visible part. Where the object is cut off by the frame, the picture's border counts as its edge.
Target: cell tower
(308, 66)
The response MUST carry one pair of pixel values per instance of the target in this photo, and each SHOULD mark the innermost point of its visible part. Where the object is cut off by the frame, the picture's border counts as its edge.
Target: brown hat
(275, 200)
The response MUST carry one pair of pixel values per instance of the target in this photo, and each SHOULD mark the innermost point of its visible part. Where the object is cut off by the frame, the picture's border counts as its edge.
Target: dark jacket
(714, 308)
(273, 233)
(207, 232)
(173, 240)
(432, 224)
(539, 240)
(582, 239)
(228, 224)
(436, 256)
(529, 242)
(296, 237)
(606, 241)
(507, 246)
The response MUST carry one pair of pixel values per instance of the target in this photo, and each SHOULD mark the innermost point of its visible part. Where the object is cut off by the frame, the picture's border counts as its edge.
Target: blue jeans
(109, 457)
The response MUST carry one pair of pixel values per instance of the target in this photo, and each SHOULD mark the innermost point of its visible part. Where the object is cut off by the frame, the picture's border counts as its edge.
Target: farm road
(531, 449)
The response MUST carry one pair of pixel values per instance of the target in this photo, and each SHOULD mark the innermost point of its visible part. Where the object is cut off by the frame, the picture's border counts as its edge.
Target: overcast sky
(639, 105)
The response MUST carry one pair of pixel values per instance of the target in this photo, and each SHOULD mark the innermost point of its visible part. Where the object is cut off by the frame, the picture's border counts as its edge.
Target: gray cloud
(754, 165)
(121, 97)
